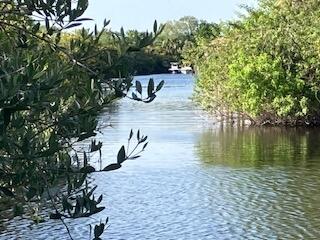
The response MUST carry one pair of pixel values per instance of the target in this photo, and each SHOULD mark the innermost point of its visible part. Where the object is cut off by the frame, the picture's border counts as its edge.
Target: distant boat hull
(175, 69)
(186, 71)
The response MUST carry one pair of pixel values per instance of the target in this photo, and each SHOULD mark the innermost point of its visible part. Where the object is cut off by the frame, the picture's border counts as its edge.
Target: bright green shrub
(266, 65)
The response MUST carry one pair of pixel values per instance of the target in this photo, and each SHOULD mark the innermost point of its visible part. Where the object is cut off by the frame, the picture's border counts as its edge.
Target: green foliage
(53, 85)
(264, 66)
(169, 45)
(194, 49)
(138, 57)
(172, 39)
(182, 29)
(174, 36)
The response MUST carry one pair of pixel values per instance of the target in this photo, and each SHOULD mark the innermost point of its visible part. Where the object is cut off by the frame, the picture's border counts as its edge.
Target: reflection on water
(258, 147)
(198, 180)
(270, 182)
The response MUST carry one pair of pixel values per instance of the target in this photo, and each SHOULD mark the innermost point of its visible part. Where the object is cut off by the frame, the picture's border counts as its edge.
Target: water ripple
(199, 180)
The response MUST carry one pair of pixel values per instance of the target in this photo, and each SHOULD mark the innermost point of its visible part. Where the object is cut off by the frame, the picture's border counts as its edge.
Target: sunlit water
(197, 179)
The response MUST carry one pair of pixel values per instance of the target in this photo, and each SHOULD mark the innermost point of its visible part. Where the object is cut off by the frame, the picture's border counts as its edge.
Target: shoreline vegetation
(53, 86)
(264, 66)
(239, 119)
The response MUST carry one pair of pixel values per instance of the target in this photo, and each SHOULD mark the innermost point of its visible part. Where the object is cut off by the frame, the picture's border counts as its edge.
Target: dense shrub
(265, 65)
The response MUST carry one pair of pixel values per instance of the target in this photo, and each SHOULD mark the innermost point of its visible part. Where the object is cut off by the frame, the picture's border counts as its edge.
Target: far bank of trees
(264, 66)
(169, 46)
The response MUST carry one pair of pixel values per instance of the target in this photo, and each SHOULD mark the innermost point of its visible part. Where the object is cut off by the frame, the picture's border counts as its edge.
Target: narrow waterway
(197, 179)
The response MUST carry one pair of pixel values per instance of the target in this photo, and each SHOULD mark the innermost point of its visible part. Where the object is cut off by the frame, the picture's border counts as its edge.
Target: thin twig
(56, 209)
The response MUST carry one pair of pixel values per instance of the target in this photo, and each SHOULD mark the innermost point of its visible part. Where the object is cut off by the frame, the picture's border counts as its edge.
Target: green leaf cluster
(264, 66)
(53, 85)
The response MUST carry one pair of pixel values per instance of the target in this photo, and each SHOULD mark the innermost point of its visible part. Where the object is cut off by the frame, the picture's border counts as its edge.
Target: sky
(140, 14)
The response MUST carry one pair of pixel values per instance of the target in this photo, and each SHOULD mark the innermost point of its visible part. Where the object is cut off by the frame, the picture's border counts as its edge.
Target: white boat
(186, 70)
(174, 68)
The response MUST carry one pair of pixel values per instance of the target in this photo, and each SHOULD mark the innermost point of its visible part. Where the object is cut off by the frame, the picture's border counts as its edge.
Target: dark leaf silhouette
(121, 155)
(112, 167)
(87, 169)
(139, 87)
(150, 87)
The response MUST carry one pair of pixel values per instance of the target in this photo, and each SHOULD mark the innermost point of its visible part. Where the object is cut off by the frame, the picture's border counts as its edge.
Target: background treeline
(264, 66)
(168, 47)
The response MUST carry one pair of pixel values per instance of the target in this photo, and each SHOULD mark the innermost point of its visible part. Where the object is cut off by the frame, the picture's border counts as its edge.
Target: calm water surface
(199, 180)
